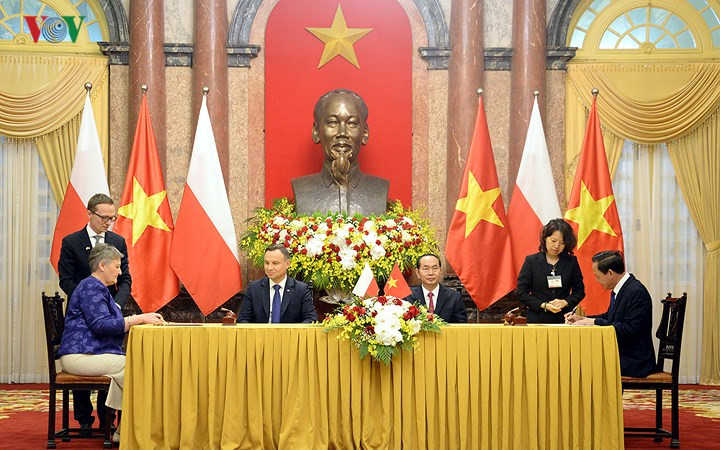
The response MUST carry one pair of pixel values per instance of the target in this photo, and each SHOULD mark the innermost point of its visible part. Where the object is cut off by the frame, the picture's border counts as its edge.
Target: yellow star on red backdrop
(478, 205)
(590, 215)
(339, 39)
(143, 211)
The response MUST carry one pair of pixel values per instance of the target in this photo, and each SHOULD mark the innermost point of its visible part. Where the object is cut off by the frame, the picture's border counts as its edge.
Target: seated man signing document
(630, 312)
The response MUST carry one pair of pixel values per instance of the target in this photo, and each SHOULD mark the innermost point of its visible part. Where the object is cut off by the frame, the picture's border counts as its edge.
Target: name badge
(554, 281)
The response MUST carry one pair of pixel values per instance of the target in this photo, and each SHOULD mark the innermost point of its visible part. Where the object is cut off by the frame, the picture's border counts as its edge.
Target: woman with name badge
(550, 283)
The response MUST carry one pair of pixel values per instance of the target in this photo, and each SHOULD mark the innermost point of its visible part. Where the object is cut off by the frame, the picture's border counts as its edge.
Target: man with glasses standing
(73, 267)
(439, 299)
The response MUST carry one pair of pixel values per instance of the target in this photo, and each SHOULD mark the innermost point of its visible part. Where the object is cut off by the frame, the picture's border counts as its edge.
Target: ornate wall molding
(560, 22)
(241, 51)
(117, 21)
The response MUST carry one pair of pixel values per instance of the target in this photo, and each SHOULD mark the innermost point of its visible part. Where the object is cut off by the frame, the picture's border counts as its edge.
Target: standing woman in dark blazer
(550, 283)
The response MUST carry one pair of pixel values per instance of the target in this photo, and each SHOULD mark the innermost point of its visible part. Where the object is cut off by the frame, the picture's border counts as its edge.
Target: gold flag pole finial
(536, 94)
(205, 90)
(88, 86)
(144, 88)
(595, 92)
(479, 91)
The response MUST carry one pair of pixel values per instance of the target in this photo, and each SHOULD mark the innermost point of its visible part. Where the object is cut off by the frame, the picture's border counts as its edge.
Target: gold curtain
(42, 98)
(696, 159)
(652, 104)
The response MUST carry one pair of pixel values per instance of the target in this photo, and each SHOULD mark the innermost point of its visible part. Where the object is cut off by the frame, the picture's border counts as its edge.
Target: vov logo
(54, 29)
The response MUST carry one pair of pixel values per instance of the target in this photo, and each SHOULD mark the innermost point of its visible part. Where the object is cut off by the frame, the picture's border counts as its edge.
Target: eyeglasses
(105, 219)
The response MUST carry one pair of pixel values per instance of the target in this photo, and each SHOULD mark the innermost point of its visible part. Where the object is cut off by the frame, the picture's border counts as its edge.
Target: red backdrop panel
(293, 83)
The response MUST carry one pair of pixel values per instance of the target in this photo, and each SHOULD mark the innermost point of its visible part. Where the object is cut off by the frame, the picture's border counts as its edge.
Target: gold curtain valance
(648, 103)
(40, 94)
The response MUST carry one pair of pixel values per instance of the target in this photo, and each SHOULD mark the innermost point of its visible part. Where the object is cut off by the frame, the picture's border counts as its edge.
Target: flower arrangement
(381, 326)
(331, 250)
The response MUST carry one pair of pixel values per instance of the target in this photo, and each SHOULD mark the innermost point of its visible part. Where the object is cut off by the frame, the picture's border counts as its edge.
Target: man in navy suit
(277, 298)
(630, 312)
(73, 267)
(443, 302)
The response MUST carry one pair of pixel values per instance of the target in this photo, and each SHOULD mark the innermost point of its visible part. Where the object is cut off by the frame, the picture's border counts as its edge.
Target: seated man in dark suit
(630, 312)
(277, 298)
(441, 301)
(73, 267)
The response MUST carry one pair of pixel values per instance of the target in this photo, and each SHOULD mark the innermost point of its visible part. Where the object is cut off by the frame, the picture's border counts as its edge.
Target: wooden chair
(61, 381)
(669, 333)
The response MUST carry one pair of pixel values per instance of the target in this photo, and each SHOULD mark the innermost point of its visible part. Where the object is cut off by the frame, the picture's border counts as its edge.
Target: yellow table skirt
(295, 387)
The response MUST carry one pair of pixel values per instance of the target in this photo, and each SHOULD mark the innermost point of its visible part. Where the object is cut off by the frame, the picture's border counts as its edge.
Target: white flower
(279, 220)
(390, 223)
(377, 252)
(322, 228)
(343, 232)
(408, 221)
(414, 326)
(315, 246)
(282, 235)
(387, 335)
(406, 236)
(347, 258)
(370, 238)
(369, 225)
(296, 225)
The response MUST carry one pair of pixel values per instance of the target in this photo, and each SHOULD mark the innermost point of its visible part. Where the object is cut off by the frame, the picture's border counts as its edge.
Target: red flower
(430, 317)
(348, 241)
(304, 251)
(374, 313)
(397, 301)
(350, 317)
(370, 329)
(382, 300)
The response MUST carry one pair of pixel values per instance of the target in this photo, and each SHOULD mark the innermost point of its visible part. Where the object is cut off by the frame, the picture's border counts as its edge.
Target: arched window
(621, 29)
(52, 25)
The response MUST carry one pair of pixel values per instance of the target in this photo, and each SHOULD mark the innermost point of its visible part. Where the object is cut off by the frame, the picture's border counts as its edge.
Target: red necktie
(431, 304)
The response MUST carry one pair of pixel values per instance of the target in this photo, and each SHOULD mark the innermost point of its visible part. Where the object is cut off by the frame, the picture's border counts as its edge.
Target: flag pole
(536, 94)
(144, 88)
(205, 91)
(88, 86)
(595, 92)
(480, 92)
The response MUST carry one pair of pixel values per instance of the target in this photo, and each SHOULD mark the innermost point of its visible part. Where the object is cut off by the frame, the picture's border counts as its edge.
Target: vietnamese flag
(205, 230)
(396, 285)
(145, 222)
(86, 179)
(592, 212)
(534, 202)
(478, 242)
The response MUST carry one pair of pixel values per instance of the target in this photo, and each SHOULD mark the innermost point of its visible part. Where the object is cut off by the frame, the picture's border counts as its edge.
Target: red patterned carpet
(23, 418)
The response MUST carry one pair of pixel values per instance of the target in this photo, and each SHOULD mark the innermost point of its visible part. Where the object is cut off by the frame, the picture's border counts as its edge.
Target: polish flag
(204, 247)
(366, 285)
(86, 179)
(534, 202)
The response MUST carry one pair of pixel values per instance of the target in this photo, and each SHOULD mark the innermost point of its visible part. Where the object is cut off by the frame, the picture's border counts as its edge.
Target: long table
(296, 387)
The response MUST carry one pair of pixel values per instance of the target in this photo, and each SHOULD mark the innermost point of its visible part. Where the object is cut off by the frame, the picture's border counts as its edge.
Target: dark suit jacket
(297, 303)
(532, 288)
(73, 264)
(631, 315)
(449, 304)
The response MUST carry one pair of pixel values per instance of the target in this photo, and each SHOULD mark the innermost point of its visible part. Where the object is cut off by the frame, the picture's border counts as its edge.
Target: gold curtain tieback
(713, 246)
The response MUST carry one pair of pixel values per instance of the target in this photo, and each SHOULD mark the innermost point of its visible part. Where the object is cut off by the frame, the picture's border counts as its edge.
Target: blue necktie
(612, 300)
(276, 305)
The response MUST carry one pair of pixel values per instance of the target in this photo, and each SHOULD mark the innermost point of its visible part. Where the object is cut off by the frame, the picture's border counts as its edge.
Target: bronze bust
(340, 126)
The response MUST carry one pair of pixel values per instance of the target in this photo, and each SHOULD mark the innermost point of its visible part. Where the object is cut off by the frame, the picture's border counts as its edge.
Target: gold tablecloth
(295, 387)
